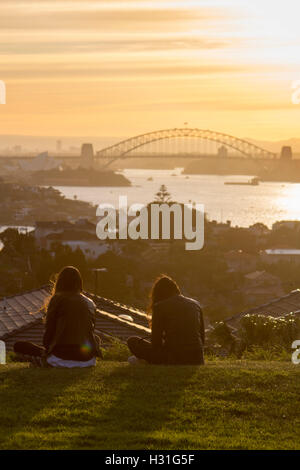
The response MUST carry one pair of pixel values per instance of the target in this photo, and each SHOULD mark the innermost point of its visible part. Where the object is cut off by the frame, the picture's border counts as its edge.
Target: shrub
(263, 330)
(222, 334)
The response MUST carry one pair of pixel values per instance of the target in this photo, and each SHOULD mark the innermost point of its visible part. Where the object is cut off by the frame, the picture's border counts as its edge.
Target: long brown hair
(163, 288)
(67, 280)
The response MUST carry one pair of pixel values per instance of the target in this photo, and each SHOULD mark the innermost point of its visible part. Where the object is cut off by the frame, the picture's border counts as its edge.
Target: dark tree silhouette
(163, 195)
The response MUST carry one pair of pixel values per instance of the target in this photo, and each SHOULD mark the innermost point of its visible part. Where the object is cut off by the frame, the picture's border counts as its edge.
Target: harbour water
(242, 205)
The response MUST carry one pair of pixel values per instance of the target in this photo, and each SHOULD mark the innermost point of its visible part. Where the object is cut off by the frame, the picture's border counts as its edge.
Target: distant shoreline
(278, 171)
(80, 177)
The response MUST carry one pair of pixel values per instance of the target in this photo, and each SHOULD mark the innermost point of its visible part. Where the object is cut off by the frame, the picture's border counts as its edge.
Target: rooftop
(20, 315)
(20, 311)
(283, 251)
(275, 308)
(51, 224)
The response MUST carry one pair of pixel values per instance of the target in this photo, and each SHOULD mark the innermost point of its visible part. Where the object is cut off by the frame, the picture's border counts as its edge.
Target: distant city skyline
(73, 143)
(121, 68)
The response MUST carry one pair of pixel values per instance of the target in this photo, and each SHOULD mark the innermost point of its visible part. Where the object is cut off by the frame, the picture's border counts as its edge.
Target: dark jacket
(70, 325)
(178, 330)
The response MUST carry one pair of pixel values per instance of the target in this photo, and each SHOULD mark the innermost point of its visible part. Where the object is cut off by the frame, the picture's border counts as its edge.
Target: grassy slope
(224, 405)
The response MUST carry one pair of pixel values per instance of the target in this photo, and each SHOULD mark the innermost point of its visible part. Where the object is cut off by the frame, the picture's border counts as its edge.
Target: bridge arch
(123, 148)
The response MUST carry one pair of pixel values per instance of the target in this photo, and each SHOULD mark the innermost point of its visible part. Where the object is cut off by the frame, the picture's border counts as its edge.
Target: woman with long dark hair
(69, 339)
(177, 328)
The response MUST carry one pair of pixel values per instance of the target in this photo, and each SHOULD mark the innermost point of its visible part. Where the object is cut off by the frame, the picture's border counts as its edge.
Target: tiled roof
(20, 311)
(276, 308)
(116, 308)
(20, 314)
(59, 224)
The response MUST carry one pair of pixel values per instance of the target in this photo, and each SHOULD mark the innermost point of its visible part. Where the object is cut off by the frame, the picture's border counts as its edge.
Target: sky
(121, 68)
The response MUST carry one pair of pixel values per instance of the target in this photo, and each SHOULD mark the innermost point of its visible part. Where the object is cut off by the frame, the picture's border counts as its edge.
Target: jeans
(142, 349)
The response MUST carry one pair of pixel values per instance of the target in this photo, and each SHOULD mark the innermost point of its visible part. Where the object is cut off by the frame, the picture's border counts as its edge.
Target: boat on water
(252, 182)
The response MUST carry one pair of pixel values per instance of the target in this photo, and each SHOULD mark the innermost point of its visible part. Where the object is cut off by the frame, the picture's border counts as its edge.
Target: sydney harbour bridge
(181, 146)
(177, 143)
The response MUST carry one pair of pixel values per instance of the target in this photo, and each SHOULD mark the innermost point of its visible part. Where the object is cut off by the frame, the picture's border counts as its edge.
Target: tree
(163, 196)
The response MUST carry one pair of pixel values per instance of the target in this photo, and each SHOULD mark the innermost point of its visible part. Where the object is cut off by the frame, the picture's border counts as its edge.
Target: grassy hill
(224, 405)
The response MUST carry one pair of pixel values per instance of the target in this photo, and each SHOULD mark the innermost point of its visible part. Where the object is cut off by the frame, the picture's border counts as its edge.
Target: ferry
(252, 182)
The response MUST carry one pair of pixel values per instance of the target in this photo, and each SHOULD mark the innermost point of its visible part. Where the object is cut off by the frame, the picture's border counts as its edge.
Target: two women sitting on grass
(70, 341)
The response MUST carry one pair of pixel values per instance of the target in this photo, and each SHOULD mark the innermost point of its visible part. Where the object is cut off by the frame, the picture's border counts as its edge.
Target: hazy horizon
(43, 143)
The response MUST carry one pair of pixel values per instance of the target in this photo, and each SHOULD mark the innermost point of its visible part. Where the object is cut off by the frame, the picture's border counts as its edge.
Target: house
(261, 286)
(22, 213)
(21, 318)
(273, 256)
(219, 228)
(287, 224)
(80, 234)
(277, 307)
(43, 229)
(92, 249)
(85, 225)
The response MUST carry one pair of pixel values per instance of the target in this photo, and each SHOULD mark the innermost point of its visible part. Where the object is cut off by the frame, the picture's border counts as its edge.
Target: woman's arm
(202, 328)
(51, 319)
(93, 316)
(157, 328)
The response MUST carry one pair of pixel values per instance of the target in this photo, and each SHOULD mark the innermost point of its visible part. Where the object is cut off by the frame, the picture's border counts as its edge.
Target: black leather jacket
(178, 328)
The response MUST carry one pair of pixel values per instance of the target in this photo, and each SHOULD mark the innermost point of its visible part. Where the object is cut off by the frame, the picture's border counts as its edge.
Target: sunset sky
(120, 68)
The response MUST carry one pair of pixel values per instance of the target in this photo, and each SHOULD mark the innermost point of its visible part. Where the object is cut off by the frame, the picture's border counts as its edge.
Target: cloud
(119, 71)
(113, 19)
(228, 104)
(92, 30)
(136, 44)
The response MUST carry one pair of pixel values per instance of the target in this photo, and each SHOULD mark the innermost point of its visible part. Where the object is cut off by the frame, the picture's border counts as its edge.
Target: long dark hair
(163, 288)
(67, 280)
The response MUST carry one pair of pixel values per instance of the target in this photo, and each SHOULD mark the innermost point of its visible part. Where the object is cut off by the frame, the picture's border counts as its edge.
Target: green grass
(224, 405)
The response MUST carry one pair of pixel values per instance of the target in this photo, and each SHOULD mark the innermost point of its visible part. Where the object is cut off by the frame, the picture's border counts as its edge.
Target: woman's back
(179, 320)
(177, 327)
(70, 324)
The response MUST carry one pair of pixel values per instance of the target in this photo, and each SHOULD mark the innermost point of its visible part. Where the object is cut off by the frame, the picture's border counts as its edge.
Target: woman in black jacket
(69, 339)
(177, 328)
